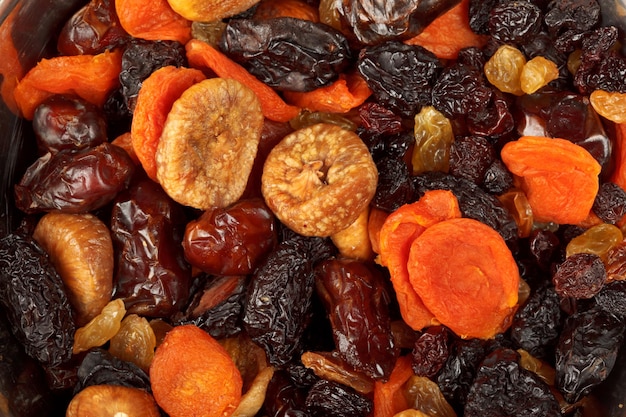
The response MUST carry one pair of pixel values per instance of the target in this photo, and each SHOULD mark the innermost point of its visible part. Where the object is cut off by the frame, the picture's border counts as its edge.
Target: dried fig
(208, 144)
(81, 249)
(319, 179)
(210, 10)
(354, 241)
(112, 400)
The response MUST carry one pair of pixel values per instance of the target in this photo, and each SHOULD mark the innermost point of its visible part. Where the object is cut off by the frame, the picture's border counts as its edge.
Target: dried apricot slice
(193, 375)
(319, 179)
(208, 143)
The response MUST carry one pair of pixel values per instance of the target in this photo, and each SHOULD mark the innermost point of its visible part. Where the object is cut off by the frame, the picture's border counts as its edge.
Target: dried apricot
(192, 375)
(210, 10)
(112, 400)
(466, 276)
(208, 143)
(152, 20)
(319, 179)
(154, 102)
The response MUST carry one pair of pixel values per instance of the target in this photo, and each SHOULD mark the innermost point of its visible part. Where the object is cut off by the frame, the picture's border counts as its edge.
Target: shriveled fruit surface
(208, 143)
(112, 400)
(319, 179)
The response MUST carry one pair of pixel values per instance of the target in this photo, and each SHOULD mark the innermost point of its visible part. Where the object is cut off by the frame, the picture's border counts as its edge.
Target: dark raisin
(284, 398)
(378, 119)
(503, 388)
(401, 76)
(537, 323)
(99, 367)
(601, 66)
(586, 352)
(141, 58)
(152, 276)
(580, 275)
(387, 145)
(395, 187)
(479, 12)
(460, 90)
(515, 22)
(610, 203)
(431, 351)
(470, 157)
(327, 398)
(497, 178)
(362, 327)
(612, 298)
(117, 113)
(543, 246)
(35, 302)
(287, 53)
(576, 15)
(74, 181)
(277, 308)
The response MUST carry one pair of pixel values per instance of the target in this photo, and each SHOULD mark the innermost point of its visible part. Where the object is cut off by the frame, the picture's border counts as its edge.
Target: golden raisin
(598, 240)
(616, 263)
(517, 204)
(504, 69)
(101, 328)
(433, 139)
(134, 342)
(209, 143)
(610, 105)
(537, 73)
(319, 179)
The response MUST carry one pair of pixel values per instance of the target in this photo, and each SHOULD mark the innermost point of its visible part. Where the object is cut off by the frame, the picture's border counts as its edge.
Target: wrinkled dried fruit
(134, 342)
(101, 328)
(537, 73)
(504, 69)
(318, 179)
(433, 138)
(81, 250)
(209, 142)
(609, 105)
(112, 400)
(210, 10)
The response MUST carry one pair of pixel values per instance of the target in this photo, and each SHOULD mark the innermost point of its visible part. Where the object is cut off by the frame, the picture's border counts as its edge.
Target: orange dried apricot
(319, 179)
(208, 143)
(152, 20)
(192, 375)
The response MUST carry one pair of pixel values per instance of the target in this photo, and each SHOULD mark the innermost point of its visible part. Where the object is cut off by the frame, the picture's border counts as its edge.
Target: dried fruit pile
(317, 208)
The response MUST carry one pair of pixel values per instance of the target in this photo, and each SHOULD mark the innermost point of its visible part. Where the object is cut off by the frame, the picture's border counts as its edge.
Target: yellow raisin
(433, 138)
(598, 239)
(101, 328)
(504, 69)
(134, 342)
(537, 73)
(611, 106)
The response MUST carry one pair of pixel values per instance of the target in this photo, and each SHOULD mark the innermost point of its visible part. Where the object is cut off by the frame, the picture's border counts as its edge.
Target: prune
(330, 398)
(460, 90)
(575, 15)
(612, 298)
(537, 323)
(141, 58)
(35, 302)
(580, 275)
(231, 240)
(74, 181)
(394, 187)
(63, 122)
(401, 76)
(515, 22)
(503, 388)
(497, 178)
(152, 276)
(610, 203)
(99, 367)
(474, 202)
(284, 398)
(470, 157)
(457, 374)
(277, 308)
(286, 53)
(362, 326)
(431, 351)
(586, 352)
(217, 306)
(93, 29)
(375, 22)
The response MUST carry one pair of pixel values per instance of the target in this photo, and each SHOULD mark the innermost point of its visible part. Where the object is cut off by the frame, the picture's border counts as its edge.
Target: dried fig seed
(208, 144)
(112, 400)
(319, 179)
(81, 250)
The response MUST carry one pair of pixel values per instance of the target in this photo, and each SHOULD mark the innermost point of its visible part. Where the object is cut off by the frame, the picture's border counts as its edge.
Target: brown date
(74, 181)
(231, 240)
(357, 304)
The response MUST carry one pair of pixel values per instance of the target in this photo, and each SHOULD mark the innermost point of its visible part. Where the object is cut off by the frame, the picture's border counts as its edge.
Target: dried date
(34, 299)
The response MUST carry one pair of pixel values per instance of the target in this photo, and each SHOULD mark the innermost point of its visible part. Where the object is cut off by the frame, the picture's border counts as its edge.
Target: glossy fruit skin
(325, 398)
(152, 276)
(99, 367)
(34, 299)
(581, 275)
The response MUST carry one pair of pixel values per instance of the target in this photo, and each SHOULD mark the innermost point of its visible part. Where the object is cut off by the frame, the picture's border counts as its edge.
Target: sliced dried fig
(210, 10)
(319, 179)
(81, 250)
(354, 241)
(208, 144)
(112, 400)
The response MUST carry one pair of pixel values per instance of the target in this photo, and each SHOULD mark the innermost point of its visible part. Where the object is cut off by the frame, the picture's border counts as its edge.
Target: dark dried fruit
(470, 157)
(362, 326)
(330, 398)
(503, 388)
(284, 397)
(401, 76)
(431, 351)
(580, 275)
(497, 178)
(515, 22)
(460, 90)
(574, 15)
(74, 182)
(586, 352)
(394, 187)
(99, 367)
(610, 203)
(34, 299)
(286, 53)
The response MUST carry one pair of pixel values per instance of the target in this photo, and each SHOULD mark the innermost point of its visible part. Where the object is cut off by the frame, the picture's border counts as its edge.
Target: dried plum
(587, 351)
(286, 53)
(330, 398)
(401, 76)
(503, 388)
(35, 302)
